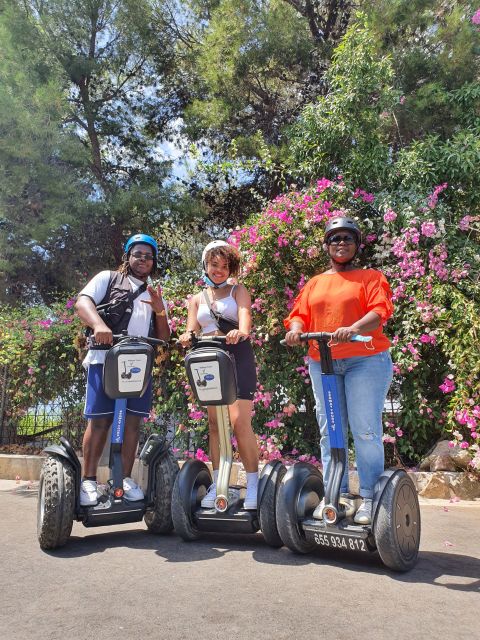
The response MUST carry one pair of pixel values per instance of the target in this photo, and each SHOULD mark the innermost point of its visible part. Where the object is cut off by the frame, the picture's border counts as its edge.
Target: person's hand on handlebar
(186, 338)
(344, 334)
(102, 334)
(292, 337)
(235, 336)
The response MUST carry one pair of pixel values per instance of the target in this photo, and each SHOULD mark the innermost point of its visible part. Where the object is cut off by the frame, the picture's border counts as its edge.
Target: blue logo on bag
(135, 370)
(209, 376)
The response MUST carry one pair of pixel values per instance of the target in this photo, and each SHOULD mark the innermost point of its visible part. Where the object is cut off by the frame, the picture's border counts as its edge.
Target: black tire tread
(268, 510)
(57, 481)
(159, 518)
(181, 520)
(385, 533)
(288, 529)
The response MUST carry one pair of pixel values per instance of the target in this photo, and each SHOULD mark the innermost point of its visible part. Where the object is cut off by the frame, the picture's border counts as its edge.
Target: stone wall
(437, 484)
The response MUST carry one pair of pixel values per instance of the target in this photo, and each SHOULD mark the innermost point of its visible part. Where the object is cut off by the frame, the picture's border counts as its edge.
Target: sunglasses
(335, 240)
(138, 255)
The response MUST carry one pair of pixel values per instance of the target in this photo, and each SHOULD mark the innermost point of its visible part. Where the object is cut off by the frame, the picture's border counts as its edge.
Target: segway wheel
(300, 492)
(159, 518)
(267, 514)
(191, 484)
(56, 503)
(397, 524)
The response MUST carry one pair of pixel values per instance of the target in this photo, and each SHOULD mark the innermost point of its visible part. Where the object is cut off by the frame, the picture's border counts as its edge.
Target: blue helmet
(141, 238)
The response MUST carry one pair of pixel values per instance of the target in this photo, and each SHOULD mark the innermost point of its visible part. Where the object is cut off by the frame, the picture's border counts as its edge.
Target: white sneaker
(250, 501)
(131, 490)
(364, 513)
(88, 493)
(208, 501)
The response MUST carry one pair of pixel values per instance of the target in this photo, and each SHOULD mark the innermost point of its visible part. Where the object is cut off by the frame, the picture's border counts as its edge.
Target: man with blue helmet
(111, 302)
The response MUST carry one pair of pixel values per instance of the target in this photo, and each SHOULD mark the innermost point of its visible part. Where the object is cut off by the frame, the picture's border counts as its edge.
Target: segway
(212, 375)
(395, 528)
(126, 373)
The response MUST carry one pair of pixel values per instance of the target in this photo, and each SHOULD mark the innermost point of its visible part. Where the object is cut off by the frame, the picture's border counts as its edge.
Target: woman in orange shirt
(346, 300)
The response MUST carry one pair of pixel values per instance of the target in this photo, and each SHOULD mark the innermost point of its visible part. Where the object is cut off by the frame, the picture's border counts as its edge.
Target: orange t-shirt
(332, 300)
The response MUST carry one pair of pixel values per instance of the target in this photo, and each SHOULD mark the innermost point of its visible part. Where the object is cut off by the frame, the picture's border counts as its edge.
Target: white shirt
(139, 324)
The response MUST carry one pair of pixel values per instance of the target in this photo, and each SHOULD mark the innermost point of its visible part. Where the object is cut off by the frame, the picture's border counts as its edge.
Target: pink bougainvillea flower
(447, 385)
(465, 223)
(476, 17)
(389, 216)
(428, 229)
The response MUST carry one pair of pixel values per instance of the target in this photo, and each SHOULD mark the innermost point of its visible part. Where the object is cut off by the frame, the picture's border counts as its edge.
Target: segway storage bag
(212, 376)
(127, 369)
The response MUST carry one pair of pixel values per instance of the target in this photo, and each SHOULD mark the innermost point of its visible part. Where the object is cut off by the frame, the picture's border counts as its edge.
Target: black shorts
(246, 368)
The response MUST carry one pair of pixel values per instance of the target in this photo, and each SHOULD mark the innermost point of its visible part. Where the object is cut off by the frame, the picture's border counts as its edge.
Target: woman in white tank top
(222, 261)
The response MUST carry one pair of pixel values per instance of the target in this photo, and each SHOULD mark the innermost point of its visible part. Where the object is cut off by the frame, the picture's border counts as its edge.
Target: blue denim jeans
(362, 384)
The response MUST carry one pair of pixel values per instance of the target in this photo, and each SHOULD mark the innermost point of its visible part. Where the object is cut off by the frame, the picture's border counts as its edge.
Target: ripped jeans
(362, 384)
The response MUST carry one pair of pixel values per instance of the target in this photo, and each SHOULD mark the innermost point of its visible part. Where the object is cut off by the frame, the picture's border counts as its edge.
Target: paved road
(125, 583)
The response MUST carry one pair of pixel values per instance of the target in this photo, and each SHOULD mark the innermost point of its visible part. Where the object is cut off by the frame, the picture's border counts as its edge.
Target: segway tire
(296, 500)
(267, 513)
(397, 524)
(56, 502)
(183, 520)
(159, 518)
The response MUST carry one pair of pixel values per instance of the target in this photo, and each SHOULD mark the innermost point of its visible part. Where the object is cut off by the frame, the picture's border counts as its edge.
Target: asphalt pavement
(123, 582)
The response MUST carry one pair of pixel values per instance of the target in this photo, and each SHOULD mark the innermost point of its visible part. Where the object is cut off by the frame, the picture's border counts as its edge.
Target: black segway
(395, 528)
(212, 375)
(127, 369)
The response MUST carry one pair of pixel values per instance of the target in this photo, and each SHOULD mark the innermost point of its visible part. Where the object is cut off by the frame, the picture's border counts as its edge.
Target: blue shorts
(99, 405)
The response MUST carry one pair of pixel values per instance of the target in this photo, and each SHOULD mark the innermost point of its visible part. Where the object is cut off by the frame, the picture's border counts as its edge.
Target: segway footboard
(229, 521)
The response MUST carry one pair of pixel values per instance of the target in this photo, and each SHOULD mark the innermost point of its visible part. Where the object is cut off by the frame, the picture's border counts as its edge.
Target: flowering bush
(37, 346)
(430, 256)
(427, 250)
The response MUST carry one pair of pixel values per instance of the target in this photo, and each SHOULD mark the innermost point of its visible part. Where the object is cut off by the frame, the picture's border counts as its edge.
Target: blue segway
(395, 528)
(213, 378)
(127, 369)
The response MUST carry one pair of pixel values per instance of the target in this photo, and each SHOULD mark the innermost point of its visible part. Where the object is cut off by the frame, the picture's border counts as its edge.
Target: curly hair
(231, 256)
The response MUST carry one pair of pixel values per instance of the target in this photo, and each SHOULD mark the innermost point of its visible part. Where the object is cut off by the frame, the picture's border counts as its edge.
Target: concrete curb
(443, 485)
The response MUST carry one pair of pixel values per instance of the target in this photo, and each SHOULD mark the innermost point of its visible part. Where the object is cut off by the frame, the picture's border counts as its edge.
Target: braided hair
(124, 268)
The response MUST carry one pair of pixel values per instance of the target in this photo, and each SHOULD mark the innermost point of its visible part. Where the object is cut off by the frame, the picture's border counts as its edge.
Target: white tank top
(227, 307)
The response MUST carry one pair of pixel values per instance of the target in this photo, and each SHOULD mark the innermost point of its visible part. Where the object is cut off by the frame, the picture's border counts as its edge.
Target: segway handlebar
(120, 337)
(198, 340)
(157, 341)
(324, 336)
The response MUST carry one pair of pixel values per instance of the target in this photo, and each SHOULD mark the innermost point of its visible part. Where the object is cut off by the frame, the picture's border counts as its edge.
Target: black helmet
(347, 224)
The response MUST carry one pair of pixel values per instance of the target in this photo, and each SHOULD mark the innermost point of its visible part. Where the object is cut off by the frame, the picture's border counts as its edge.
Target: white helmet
(212, 245)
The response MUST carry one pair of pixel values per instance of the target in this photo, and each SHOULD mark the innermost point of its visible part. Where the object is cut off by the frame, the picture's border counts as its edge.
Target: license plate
(334, 541)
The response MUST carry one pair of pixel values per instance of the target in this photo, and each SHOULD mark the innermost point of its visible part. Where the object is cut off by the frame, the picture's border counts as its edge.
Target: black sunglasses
(337, 239)
(138, 255)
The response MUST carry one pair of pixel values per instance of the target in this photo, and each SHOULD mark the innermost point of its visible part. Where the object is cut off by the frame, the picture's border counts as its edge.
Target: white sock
(252, 481)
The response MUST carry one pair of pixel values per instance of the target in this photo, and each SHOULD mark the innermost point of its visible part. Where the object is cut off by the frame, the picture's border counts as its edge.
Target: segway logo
(209, 377)
(135, 370)
(118, 426)
(332, 413)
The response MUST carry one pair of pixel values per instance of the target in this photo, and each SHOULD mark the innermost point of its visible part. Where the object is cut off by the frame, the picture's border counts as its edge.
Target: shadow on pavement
(447, 570)
(23, 489)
